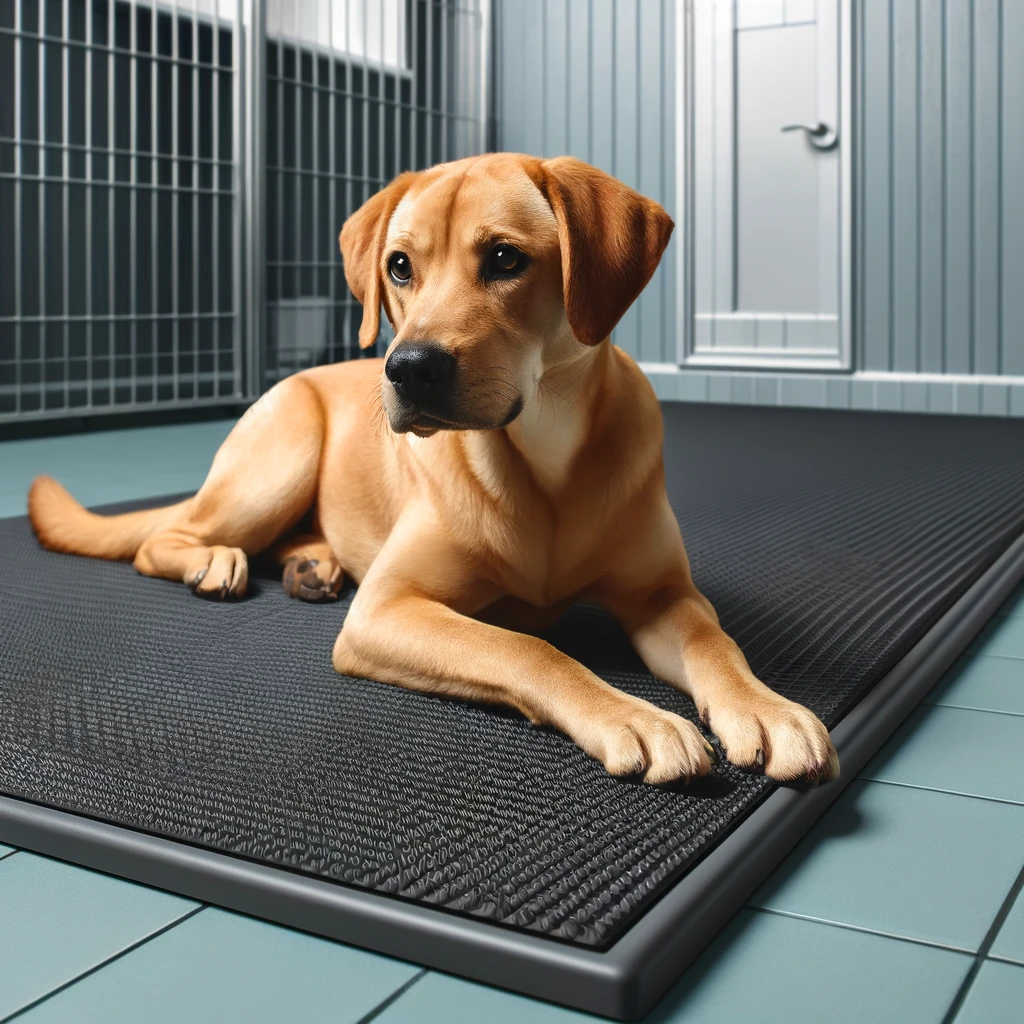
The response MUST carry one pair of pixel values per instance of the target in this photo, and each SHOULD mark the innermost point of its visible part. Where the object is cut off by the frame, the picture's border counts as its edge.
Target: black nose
(420, 371)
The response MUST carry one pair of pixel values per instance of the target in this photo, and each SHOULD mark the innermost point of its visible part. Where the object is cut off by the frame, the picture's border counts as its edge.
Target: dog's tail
(61, 524)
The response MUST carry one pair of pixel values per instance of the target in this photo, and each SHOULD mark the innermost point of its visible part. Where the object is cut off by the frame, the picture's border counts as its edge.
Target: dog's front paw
(634, 737)
(219, 572)
(764, 732)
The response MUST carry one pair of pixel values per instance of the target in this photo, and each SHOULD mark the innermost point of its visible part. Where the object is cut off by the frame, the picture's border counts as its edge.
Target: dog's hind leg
(262, 481)
(311, 570)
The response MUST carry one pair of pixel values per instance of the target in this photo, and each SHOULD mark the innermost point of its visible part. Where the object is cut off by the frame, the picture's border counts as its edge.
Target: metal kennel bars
(174, 174)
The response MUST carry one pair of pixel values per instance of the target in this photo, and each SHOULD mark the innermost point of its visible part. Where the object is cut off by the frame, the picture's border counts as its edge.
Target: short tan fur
(502, 461)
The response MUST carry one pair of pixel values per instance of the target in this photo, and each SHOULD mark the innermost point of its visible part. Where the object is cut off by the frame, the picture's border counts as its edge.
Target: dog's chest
(545, 561)
(549, 519)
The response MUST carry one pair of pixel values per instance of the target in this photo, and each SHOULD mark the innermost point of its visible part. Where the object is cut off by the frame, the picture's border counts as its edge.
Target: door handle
(819, 135)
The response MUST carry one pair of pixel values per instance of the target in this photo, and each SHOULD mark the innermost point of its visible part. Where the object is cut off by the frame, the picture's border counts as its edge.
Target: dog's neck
(551, 429)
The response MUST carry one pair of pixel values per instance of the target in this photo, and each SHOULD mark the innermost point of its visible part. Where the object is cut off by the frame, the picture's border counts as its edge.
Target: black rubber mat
(829, 543)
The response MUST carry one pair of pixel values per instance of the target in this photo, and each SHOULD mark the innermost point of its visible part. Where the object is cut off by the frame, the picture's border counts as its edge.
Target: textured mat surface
(829, 542)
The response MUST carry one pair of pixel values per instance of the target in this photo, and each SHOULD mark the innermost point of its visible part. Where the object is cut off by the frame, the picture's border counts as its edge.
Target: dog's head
(493, 270)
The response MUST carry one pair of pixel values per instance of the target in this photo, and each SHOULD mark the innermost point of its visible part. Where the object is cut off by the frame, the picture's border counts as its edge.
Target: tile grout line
(1009, 961)
(983, 949)
(4, 856)
(947, 792)
(861, 929)
(394, 997)
(965, 707)
(103, 963)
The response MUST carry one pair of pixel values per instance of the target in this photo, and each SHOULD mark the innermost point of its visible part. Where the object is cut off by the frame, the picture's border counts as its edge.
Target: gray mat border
(623, 982)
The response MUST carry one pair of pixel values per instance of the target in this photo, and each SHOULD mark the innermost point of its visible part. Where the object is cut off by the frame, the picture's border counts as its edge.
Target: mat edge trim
(623, 982)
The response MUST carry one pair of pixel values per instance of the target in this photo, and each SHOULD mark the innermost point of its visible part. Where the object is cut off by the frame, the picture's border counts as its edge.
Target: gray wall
(941, 167)
(939, 191)
(595, 79)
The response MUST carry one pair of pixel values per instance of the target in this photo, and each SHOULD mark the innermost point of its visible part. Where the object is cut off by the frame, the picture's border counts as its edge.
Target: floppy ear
(362, 242)
(611, 239)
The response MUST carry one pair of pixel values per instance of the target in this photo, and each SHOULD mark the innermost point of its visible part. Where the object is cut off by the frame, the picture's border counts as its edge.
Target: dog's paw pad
(311, 579)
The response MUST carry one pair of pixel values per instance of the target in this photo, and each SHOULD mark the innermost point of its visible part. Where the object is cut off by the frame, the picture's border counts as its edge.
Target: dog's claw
(230, 565)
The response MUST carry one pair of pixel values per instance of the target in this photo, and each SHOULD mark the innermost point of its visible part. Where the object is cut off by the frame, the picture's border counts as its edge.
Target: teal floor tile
(905, 862)
(975, 753)
(105, 466)
(221, 967)
(767, 968)
(1009, 944)
(440, 999)
(1003, 637)
(983, 683)
(764, 968)
(1014, 604)
(996, 997)
(57, 921)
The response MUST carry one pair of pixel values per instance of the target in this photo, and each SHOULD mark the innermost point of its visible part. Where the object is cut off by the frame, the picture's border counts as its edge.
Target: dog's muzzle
(423, 376)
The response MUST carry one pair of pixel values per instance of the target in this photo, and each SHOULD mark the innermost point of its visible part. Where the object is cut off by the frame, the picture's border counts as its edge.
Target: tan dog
(502, 461)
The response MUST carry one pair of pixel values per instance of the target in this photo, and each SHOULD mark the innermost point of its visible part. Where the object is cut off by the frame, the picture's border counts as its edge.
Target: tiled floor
(904, 903)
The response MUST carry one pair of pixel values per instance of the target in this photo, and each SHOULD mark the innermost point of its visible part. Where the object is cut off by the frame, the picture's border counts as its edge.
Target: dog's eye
(504, 261)
(399, 268)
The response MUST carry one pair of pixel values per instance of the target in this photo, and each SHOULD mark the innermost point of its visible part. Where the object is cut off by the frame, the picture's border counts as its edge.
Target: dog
(501, 462)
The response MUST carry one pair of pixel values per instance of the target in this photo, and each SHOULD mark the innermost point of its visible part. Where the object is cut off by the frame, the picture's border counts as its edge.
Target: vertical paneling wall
(595, 79)
(941, 168)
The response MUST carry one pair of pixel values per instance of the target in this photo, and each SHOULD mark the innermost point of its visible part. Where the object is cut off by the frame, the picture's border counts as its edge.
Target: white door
(767, 169)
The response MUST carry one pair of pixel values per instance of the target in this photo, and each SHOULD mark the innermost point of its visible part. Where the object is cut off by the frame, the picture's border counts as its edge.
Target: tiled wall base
(890, 392)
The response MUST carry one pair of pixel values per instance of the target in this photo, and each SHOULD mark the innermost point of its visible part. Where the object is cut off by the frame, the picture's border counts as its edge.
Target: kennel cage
(174, 174)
